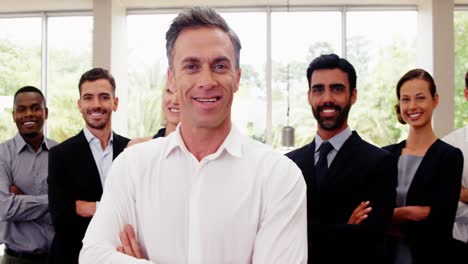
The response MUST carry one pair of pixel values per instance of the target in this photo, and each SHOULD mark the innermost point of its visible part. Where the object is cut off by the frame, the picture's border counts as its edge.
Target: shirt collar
(232, 143)
(90, 137)
(336, 141)
(21, 144)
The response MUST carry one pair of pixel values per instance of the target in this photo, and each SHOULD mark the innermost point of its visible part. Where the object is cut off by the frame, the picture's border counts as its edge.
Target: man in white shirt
(206, 193)
(459, 139)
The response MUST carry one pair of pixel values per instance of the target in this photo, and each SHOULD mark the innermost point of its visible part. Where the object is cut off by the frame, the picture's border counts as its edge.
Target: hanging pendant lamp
(287, 132)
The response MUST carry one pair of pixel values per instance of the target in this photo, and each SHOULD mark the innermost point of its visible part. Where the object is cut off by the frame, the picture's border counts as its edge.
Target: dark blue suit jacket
(73, 175)
(359, 172)
(437, 184)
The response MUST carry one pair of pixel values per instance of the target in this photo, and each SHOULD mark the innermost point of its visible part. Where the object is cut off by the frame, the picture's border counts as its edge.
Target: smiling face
(417, 103)
(96, 104)
(330, 99)
(29, 114)
(205, 77)
(171, 107)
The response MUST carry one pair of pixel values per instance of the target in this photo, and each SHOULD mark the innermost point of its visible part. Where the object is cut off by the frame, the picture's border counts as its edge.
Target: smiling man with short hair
(25, 224)
(78, 166)
(205, 193)
(350, 183)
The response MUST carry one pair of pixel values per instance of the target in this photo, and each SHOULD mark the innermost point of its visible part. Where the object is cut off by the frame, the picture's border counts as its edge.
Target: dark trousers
(23, 259)
(460, 249)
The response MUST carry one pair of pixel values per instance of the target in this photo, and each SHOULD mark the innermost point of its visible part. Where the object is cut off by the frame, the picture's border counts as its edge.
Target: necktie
(321, 167)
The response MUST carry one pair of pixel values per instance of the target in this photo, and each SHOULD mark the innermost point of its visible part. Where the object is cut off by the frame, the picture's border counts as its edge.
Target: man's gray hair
(199, 17)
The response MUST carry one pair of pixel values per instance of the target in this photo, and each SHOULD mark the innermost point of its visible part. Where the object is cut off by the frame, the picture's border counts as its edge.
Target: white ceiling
(66, 5)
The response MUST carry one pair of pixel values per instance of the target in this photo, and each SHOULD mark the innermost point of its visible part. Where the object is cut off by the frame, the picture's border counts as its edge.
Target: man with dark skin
(25, 224)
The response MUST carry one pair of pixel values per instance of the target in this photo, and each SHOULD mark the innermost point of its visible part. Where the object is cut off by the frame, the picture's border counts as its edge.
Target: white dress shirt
(246, 203)
(459, 139)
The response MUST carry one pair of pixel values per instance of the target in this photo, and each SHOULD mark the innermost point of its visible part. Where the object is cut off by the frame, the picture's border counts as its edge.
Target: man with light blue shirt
(350, 183)
(459, 139)
(25, 224)
(78, 167)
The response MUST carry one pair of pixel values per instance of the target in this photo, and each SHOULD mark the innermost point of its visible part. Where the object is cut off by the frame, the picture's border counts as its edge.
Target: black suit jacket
(437, 184)
(359, 172)
(73, 175)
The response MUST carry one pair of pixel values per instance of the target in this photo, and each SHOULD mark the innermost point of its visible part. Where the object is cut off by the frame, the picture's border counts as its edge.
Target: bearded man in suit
(350, 183)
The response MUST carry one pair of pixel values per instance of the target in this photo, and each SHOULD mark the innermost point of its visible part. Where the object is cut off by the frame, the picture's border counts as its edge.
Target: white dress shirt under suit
(246, 203)
(459, 139)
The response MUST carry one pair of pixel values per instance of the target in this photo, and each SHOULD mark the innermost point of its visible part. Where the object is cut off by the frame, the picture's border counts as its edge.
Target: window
(461, 66)
(292, 51)
(69, 56)
(20, 64)
(147, 65)
(381, 45)
(22, 58)
(250, 103)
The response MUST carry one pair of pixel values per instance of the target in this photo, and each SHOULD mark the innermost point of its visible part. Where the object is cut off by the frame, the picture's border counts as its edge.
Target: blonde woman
(170, 110)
